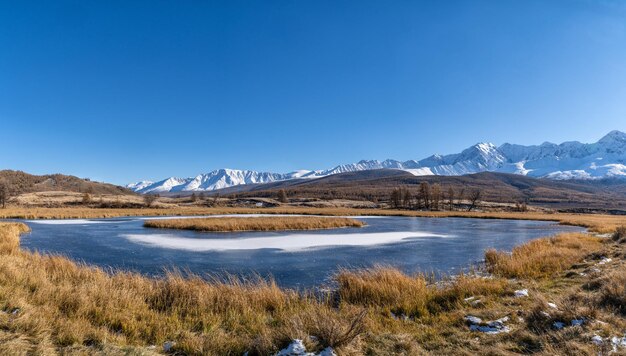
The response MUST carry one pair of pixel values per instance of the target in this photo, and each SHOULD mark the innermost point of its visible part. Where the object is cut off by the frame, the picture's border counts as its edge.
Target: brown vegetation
(541, 258)
(378, 185)
(254, 223)
(51, 305)
(20, 182)
(595, 222)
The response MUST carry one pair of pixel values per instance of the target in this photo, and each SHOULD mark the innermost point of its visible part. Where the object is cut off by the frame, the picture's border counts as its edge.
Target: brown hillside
(20, 182)
(495, 187)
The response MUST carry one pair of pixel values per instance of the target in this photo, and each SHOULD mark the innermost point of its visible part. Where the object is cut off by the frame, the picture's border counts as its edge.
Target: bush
(620, 234)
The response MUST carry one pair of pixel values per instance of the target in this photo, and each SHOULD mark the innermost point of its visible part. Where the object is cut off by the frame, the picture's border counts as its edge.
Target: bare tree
(201, 196)
(474, 198)
(149, 199)
(460, 195)
(282, 196)
(86, 198)
(423, 196)
(407, 198)
(435, 196)
(450, 198)
(396, 198)
(4, 193)
(194, 197)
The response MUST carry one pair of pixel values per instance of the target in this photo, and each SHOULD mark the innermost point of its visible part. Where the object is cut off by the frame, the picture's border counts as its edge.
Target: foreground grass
(254, 223)
(51, 305)
(595, 222)
(541, 258)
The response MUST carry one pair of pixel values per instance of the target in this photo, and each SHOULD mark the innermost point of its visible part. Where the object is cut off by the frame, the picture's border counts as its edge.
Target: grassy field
(51, 305)
(595, 222)
(277, 223)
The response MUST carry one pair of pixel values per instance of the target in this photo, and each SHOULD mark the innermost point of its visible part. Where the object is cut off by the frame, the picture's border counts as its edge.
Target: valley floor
(558, 295)
(595, 222)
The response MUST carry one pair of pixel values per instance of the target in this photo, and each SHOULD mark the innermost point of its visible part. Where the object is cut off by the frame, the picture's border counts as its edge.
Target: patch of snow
(604, 261)
(491, 327)
(596, 339)
(327, 352)
(521, 293)
(168, 345)
(70, 222)
(552, 305)
(618, 342)
(420, 171)
(288, 242)
(578, 322)
(297, 348)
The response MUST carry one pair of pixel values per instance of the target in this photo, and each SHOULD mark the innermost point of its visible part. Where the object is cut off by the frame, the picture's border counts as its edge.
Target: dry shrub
(329, 327)
(612, 292)
(620, 234)
(542, 258)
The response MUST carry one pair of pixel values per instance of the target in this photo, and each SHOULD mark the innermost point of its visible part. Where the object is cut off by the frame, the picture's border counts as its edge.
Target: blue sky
(126, 90)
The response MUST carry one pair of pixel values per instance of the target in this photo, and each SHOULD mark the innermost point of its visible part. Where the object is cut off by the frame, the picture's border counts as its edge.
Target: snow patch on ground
(490, 327)
(297, 348)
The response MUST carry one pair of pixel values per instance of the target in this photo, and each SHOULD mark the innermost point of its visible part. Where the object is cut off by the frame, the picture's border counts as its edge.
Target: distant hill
(606, 194)
(20, 182)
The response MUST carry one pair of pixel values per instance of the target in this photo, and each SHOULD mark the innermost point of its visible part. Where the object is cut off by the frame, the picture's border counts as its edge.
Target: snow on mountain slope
(568, 160)
(139, 185)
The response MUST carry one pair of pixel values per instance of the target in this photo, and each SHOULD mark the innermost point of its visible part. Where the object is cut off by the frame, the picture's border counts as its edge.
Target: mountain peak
(614, 136)
(568, 160)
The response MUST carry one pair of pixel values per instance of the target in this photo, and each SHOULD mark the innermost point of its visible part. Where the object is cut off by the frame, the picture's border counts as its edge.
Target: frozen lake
(295, 259)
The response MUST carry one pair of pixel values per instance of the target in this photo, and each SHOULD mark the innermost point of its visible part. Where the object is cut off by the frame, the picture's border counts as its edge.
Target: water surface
(294, 259)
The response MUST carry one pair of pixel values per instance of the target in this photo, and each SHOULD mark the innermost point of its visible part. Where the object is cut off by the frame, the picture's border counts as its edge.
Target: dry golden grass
(612, 291)
(255, 223)
(542, 258)
(52, 305)
(595, 222)
(412, 296)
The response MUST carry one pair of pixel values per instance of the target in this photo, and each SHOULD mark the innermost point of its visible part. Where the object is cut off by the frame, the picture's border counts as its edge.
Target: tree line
(434, 197)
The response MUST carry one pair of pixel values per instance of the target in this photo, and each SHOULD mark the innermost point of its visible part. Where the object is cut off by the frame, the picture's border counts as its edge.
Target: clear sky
(127, 90)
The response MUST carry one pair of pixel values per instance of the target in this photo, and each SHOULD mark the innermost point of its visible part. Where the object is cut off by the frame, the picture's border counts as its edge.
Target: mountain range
(569, 160)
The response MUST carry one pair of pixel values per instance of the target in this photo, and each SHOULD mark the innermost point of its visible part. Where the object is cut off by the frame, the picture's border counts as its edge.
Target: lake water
(294, 259)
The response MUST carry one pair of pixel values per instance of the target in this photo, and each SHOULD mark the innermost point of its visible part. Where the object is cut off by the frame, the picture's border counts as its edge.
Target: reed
(542, 258)
(254, 223)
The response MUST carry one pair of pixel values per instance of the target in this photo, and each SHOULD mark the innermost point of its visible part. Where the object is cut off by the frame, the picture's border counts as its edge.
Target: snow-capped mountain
(569, 160)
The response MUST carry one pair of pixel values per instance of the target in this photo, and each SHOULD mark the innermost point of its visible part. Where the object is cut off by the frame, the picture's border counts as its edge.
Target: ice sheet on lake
(291, 242)
(70, 222)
